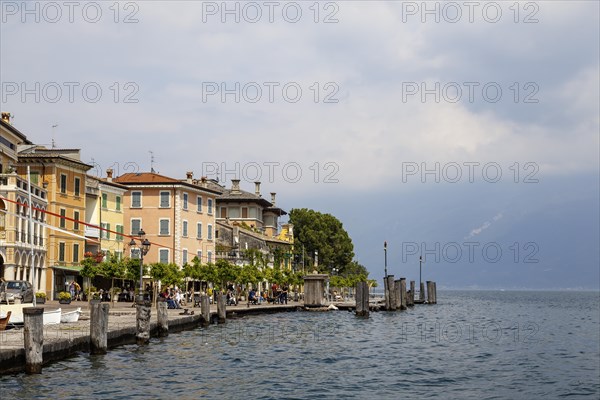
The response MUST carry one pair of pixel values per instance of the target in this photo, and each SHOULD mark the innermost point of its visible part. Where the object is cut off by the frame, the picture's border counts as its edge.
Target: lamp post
(144, 247)
(420, 263)
(385, 258)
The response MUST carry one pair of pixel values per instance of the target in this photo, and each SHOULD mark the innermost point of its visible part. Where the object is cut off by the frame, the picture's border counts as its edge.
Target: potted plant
(64, 298)
(40, 297)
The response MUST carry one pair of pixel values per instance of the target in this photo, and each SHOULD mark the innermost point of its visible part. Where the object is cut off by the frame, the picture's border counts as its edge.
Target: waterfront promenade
(64, 339)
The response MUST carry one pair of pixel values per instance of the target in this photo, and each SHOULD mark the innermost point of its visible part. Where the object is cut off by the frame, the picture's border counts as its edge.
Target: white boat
(70, 316)
(52, 317)
(16, 317)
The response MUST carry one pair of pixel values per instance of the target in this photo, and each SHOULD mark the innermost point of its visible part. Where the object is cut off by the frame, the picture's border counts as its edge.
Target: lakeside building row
(75, 214)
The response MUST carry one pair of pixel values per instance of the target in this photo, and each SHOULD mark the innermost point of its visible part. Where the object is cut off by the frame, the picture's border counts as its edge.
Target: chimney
(190, 176)
(273, 198)
(109, 173)
(257, 188)
(6, 117)
(203, 180)
(235, 186)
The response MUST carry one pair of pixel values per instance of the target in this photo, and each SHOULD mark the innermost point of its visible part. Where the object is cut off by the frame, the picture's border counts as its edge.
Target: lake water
(471, 345)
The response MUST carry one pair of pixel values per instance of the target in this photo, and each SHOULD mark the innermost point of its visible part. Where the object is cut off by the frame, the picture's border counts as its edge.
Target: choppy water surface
(471, 345)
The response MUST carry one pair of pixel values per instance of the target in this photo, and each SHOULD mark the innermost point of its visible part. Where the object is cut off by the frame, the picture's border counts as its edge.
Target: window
(199, 230)
(104, 200)
(223, 212)
(185, 256)
(35, 176)
(165, 199)
(63, 183)
(209, 257)
(244, 212)
(76, 222)
(252, 213)
(184, 229)
(61, 251)
(119, 229)
(164, 227)
(234, 212)
(76, 253)
(136, 199)
(77, 186)
(209, 233)
(118, 203)
(63, 219)
(199, 254)
(163, 256)
(119, 255)
(209, 202)
(185, 201)
(199, 203)
(104, 232)
(136, 226)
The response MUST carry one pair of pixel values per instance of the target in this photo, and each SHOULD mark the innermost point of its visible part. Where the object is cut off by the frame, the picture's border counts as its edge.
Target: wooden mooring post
(98, 328)
(411, 295)
(142, 323)
(434, 292)
(397, 300)
(362, 299)
(386, 292)
(403, 293)
(205, 309)
(429, 292)
(221, 303)
(163, 318)
(422, 292)
(390, 297)
(33, 337)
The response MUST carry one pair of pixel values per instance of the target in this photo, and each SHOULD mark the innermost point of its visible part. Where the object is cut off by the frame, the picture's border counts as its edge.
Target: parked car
(10, 291)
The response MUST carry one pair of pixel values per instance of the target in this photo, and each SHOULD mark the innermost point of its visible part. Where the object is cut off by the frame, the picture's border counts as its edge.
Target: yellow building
(63, 173)
(22, 245)
(104, 209)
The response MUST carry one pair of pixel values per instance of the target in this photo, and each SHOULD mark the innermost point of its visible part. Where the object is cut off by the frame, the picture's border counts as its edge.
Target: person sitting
(252, 297)
(230, 299)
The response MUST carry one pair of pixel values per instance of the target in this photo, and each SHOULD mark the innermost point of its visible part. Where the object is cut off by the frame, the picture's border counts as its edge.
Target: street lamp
(385, 258)
(420, 263)
(144, 247)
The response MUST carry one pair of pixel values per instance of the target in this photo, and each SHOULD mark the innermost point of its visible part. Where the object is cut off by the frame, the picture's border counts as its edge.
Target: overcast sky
(341, 107)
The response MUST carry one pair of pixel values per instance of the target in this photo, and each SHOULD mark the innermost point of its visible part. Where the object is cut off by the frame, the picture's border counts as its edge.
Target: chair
(196, 300)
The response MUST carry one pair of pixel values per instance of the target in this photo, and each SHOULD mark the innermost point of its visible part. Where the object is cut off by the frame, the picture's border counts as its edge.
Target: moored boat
(4, 321)
(52, 317)
(70, 316)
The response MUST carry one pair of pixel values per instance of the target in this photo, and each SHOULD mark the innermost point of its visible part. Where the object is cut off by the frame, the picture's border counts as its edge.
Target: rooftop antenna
(53, 144)
(151, 161)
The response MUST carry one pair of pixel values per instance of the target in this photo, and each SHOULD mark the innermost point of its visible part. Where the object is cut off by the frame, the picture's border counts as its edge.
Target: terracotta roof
(144, 177)
(151, 178)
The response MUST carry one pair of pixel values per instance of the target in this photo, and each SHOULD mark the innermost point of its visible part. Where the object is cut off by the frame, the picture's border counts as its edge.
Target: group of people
(173, 297)
(75, 291)
(280, 295)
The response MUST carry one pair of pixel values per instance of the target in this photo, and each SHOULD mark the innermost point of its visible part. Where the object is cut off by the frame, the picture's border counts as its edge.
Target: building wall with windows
(22, 241)
(112, 216)
(178, 216)
(64, 175)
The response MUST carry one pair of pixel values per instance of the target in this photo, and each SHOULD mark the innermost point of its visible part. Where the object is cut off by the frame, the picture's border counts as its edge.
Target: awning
(66, 268)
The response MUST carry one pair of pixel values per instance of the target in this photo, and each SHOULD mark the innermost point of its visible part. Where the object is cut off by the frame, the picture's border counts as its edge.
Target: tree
(226, 272)
(112, 268)
(323, 233)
